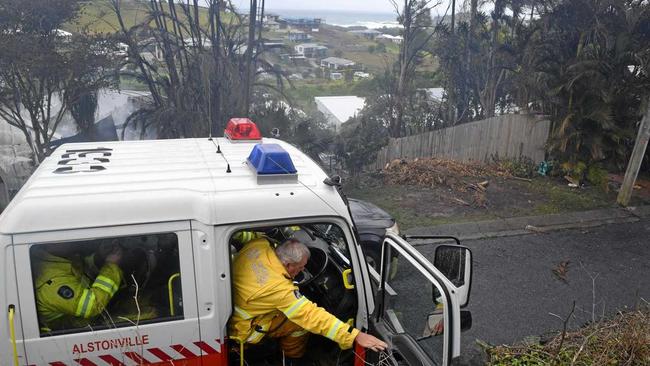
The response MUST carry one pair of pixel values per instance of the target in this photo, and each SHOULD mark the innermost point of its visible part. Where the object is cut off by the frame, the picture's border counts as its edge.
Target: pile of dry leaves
(468, 180)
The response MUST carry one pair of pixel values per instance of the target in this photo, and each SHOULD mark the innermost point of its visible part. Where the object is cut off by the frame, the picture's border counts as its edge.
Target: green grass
(304, 91)
(563, 198)
(98, 16)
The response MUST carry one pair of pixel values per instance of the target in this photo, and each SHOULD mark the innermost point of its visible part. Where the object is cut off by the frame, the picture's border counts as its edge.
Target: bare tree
(417, 31)
(206, 71)
(43, 71)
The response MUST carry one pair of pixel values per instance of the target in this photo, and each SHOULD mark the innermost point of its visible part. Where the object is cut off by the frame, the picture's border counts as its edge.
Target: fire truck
(174, 208)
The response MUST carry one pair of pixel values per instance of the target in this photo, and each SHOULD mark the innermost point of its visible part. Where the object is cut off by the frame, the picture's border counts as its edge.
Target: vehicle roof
(165, 180)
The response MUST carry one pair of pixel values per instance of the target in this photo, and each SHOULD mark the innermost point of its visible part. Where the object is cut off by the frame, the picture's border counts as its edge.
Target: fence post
(636, 159)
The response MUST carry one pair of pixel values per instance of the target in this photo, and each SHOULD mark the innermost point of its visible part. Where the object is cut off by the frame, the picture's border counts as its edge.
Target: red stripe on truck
(184, 351)
(111, 360)
(160, 354)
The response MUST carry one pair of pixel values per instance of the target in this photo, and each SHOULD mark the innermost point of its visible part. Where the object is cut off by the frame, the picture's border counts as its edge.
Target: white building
(336, 63)
(339, 109)
(388, 37)
(311, 50)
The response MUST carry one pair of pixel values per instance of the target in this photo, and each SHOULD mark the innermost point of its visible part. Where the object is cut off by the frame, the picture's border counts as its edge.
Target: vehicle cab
(173, 209)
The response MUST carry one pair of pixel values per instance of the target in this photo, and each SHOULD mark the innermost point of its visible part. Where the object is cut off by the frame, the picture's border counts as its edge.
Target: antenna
(216, 144)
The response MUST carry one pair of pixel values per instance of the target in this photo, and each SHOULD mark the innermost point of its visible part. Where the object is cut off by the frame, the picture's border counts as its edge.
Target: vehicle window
(414, 307)
(95, 284)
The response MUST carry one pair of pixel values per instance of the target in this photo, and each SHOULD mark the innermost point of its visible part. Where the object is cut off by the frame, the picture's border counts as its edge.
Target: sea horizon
(342, 18)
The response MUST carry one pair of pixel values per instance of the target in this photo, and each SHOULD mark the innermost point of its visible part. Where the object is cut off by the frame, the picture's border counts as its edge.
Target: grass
(97, 16)
(304, 91)
(415, 206)
(563, 198)
(391, 199)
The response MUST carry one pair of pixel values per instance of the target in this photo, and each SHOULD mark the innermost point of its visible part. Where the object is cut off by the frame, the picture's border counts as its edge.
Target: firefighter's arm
(315, 319)
(74, 299)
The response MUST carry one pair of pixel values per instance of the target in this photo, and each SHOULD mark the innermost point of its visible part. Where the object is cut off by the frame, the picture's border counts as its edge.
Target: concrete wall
(511, 135)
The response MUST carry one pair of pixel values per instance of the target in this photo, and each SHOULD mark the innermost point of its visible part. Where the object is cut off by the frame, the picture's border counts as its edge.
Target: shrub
(598, 177)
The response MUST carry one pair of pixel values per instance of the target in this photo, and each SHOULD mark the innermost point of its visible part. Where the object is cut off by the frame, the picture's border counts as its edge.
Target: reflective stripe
(298, 333)
(104, 286)
(108, 282)
(242, 313)
(86, 302)
(335, 327)
(295, 306)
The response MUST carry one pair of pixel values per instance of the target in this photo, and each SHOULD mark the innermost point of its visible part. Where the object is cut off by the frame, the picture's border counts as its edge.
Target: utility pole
(636, 159)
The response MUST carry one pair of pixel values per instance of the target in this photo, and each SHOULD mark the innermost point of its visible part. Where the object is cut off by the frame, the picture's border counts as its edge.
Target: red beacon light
(242, 129)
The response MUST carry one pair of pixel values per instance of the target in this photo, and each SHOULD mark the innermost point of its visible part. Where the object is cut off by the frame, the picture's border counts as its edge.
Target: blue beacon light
(271, 159)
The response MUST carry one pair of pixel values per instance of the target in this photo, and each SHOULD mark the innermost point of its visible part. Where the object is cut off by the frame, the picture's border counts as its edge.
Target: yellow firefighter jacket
(65, 295)
(263, 290)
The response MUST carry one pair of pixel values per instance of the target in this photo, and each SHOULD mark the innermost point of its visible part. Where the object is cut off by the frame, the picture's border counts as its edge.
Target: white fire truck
(174, 208)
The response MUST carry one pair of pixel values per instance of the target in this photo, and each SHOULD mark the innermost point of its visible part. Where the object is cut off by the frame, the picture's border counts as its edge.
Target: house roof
(341, 107)
(338, 61)
(311, 45)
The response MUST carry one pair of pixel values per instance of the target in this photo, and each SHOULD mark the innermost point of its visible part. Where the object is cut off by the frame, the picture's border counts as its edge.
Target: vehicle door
(151, 317)
(417, 308)
(12, 343)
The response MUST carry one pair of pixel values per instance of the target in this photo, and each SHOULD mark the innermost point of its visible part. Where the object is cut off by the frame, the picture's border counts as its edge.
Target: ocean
(342, 18)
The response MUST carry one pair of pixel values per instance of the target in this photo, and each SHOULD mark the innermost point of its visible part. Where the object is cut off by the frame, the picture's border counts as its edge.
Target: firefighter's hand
(115, 256)
(366, 340)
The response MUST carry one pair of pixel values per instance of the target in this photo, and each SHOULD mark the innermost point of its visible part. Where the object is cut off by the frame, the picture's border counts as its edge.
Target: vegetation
(622, 340)
(45, 73)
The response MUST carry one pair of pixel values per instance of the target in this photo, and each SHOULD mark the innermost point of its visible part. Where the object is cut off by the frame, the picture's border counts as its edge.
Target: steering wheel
(315, 267)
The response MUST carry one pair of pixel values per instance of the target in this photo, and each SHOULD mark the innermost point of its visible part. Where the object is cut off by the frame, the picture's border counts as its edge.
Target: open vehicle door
(418, 310)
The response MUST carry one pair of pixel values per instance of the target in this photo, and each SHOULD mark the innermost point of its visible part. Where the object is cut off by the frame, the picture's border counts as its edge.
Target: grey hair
(292, 251)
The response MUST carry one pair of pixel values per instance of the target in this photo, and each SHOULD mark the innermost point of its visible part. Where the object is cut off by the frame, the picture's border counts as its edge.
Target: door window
(414, 305)
(81, 286)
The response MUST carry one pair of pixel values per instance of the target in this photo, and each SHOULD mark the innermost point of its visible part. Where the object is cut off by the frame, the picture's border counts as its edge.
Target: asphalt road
(515, 292)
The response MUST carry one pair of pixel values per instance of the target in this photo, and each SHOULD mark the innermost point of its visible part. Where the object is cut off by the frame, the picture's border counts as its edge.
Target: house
(434, 94)
(339, 109)
(311, 50)
(274, 45)
(302, 23)
(368, 33)
(272, 25)
(336, 63)
(388, 37)
(297, 36)
(270, 17)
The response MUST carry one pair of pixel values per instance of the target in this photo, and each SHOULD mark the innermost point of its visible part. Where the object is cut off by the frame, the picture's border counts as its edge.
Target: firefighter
(65, 295)
(267, 303)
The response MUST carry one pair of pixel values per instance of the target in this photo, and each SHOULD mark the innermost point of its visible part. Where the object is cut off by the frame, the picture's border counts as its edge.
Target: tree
(44, 73)
(208, 69)
(415, 18)
(586, 64)
(359, 141)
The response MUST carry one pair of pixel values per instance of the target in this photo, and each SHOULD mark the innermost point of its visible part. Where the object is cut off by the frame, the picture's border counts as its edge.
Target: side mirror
(455, 262)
